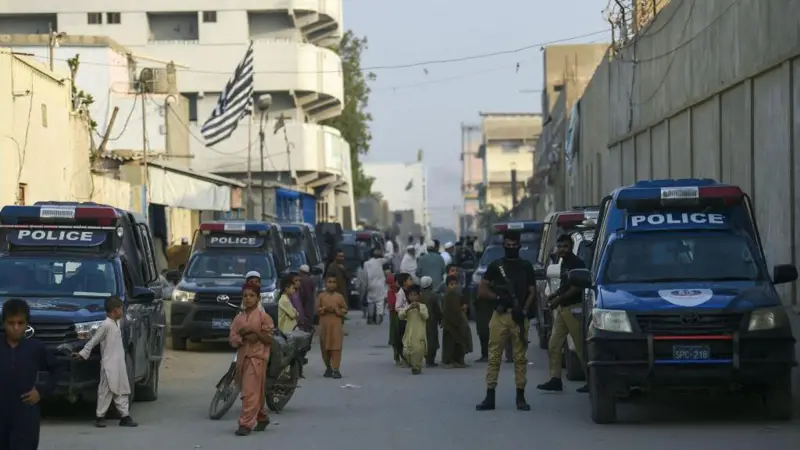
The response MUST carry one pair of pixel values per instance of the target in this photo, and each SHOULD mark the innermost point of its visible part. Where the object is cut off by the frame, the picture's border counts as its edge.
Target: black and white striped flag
(235, 102)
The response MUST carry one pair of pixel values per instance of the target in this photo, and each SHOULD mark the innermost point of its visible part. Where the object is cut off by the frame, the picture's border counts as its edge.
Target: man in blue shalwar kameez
(20, 362)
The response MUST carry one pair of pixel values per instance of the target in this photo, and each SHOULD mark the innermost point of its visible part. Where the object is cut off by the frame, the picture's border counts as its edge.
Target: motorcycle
(284, 370)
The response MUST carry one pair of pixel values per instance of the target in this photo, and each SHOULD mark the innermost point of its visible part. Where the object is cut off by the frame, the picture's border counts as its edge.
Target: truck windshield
(495, 252)
(227, 265)
(56, 277)
(698, 257)
(297, 259)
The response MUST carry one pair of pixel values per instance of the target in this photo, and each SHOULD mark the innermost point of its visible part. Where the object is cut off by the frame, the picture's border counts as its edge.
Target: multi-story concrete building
(206, 40)
(403, 186)
(471, 177)
(106, 71)
(508, 142)
(567, 71)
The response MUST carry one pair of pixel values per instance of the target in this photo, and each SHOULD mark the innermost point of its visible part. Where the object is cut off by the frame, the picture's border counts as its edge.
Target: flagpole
(250, 211)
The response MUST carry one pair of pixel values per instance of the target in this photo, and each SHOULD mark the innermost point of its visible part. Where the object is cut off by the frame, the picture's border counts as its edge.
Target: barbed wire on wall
(629, 18)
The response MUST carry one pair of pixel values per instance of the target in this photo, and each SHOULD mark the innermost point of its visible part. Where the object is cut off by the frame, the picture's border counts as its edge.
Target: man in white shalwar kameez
(376, 287)
(114, 385)
(409, 263)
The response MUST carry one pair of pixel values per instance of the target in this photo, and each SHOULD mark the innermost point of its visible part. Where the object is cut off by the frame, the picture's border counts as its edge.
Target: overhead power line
(398, 66)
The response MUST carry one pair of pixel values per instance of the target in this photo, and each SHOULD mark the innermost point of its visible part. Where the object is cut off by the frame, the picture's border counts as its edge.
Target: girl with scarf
(415, 339)
(251, 335)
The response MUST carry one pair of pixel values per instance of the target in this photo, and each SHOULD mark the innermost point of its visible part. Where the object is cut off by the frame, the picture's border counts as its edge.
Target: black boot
(127, 421)
(553, 384)
(488, 403)
(522, 405)
(328, 373)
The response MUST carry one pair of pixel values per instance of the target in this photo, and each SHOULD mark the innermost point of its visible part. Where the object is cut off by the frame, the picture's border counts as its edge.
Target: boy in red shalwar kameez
(251, 334)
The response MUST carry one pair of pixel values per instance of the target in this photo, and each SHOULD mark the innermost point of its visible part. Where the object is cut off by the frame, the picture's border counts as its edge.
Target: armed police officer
(561, 303)
(510, 285)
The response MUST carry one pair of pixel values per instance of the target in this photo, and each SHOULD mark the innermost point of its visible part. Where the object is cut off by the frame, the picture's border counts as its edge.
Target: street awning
(178, 187)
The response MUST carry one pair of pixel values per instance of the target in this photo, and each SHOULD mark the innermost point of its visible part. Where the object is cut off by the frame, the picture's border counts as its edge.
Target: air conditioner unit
(154, 81)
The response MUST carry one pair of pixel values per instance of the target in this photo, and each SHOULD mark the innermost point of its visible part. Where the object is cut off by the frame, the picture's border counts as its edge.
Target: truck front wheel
(603, 400)
(178, 343)
(131, 371)
(778, 397)
(148, 392)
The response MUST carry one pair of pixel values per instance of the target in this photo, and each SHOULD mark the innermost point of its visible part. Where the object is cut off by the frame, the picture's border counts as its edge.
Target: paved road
(386, 406)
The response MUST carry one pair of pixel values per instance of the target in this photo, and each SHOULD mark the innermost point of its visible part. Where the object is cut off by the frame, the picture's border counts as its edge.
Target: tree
(354, 121)
(491, 214)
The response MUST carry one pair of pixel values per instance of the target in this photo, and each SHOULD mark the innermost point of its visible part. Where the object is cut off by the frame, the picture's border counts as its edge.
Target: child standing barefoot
(251, 335)
(114, 384)
(331, 309)
(415, 339)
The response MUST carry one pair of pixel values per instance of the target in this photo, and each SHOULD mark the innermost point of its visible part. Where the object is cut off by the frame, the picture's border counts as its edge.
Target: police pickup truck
(555, 224)
(679, 296)
(65, 260)
(302, 248)
(222, 254)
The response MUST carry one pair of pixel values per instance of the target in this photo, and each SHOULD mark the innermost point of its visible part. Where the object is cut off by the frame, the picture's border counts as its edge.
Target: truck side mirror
(784, 273)
(142, 295)
(580, 278)
(173, 276)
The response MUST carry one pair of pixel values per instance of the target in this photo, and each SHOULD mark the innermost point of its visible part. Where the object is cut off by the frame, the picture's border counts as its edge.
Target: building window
(114, 18)
(22, 194)
(509, 146)
(44, 115)
(210, 16)
(191, 97)
(94, 18)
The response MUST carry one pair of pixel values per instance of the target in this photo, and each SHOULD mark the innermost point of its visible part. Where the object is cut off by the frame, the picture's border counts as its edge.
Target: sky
(423, 107)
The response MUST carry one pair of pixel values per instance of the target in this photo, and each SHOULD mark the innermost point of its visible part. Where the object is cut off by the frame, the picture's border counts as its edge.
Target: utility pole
(264, 102)
(514, 199)
(54, 38)
(250, 214)
(288, 152)
(143, 94)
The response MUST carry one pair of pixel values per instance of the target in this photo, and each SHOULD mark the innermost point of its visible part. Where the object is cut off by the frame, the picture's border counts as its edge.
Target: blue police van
(530, 239)
(679, 296)
(65, 259)
(222, 254)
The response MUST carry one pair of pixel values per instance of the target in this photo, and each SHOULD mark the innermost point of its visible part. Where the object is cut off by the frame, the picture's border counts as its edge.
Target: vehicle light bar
(101, 215)
(519, 226)
(678, 196)
(570, 219)
(234, 227)
(364, 236)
